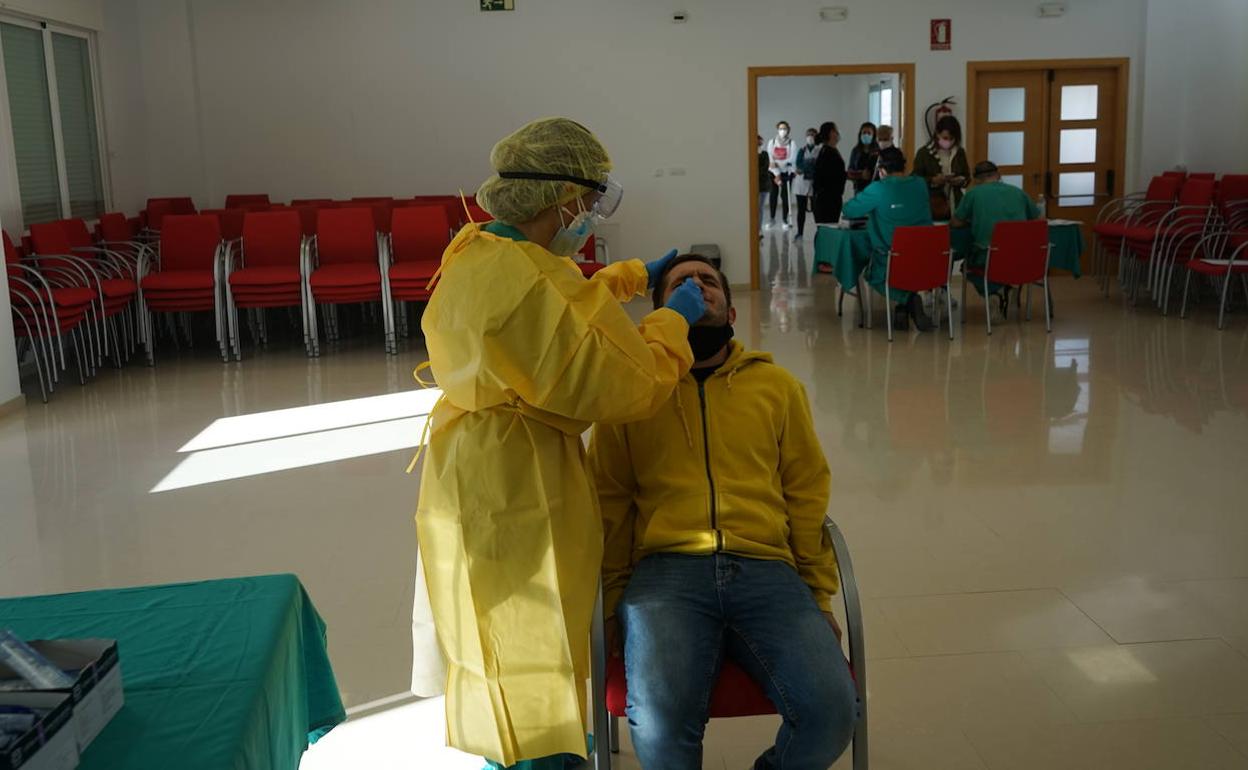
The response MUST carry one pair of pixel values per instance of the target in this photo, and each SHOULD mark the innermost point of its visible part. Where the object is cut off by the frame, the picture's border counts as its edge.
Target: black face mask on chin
(706, 341)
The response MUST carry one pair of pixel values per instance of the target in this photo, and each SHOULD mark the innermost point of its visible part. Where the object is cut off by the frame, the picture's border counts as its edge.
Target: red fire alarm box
(942, 34)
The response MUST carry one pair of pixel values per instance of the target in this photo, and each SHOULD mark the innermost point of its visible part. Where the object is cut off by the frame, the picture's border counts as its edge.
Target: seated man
(991, 201)
(713, 519)
(896, 200)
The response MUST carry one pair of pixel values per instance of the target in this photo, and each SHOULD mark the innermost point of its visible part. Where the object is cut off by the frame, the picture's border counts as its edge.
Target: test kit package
(94, 687)
(37, 731)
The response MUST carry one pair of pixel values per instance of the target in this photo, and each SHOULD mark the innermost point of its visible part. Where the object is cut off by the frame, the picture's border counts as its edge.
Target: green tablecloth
(220, 674)
(849, 251)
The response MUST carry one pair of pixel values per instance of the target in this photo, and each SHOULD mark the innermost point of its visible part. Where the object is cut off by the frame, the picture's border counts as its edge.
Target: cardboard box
(52, 743)
(97, 694)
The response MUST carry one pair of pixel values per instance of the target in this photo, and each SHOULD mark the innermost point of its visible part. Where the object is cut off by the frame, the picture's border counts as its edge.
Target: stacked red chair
(187, 275)
(47, 306)
(1133, 210)
(265, 272)
(1150, 243)
(115, 274)
(413, 254)
(343, 267)
(231, 221)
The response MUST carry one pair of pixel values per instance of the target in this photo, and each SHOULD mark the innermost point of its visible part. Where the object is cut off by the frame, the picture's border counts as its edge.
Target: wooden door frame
(906, 70)
(1121, 64)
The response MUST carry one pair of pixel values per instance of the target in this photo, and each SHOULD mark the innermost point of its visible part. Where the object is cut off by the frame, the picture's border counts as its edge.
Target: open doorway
(805, 98)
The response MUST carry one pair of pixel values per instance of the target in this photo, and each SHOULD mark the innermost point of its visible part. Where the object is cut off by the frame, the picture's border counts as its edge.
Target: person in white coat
(783, 154)
(804, 178)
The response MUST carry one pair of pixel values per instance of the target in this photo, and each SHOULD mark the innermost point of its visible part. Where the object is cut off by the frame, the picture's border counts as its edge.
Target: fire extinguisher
(934, 113)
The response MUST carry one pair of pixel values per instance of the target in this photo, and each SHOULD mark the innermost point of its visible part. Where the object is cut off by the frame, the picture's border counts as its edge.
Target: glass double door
(1052, 132)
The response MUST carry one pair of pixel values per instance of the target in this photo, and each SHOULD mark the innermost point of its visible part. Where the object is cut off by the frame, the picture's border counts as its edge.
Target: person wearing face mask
(943, 164)
(528, 354)
(829, 181)
(783, 154)
(803, 180)
(713, 515)
(884, 139)
(863, 158)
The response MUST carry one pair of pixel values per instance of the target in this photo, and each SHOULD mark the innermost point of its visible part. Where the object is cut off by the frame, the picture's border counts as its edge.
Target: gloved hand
(655, 269)
(687, 300)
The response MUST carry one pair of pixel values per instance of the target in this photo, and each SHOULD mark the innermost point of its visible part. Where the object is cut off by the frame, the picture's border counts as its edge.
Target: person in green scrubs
(896, 200)
(990, 201)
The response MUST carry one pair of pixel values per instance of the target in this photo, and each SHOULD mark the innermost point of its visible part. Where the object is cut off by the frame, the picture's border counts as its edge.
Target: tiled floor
(1049, 530)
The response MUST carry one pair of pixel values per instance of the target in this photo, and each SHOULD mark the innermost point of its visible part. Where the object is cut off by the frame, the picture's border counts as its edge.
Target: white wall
(1196, 76)
(303, 97)
(807, 101)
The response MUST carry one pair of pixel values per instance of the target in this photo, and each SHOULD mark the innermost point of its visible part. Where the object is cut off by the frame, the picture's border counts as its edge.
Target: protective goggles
(610, 192)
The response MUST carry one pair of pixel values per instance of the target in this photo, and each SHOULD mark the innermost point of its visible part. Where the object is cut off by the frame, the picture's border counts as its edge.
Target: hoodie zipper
(706, 451)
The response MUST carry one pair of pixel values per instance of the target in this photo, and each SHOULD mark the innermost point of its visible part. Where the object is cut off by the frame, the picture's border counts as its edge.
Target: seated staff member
(991, 201)
(896, 200)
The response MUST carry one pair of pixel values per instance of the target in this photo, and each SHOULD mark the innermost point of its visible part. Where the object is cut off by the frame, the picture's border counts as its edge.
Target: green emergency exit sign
(498, 5)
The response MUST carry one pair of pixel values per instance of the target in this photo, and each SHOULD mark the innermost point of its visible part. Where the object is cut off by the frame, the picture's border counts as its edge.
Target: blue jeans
(680, 614)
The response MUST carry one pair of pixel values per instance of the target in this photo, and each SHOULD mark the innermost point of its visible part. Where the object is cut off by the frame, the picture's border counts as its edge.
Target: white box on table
(52, 743)
(97, 693)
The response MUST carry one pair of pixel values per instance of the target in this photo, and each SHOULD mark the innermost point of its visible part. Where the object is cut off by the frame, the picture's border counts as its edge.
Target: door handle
(1048, 184)
(1109, 182)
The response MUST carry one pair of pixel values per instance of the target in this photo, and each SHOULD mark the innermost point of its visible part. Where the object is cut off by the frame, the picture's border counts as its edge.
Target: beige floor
(1050, 531)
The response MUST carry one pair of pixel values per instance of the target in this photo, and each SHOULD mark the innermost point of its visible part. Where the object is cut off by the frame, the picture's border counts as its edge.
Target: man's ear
(732, 316)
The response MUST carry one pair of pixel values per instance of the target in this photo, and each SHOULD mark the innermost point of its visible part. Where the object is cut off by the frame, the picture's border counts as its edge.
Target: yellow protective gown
(528, 354)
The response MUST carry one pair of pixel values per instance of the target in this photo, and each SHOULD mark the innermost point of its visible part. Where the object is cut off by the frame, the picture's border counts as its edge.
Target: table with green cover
(848, 252)
(218, 674)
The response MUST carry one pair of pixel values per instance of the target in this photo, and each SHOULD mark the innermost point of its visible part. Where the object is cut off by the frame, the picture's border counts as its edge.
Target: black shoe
(922, 321)
(901, 321)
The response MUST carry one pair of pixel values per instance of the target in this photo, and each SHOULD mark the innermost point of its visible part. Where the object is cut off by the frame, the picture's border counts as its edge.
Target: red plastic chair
(1150, 244)
(77, 278)
(266, 273)
(158, 208)
(118, 272)
(382, 213)
(1223, 256)
(920, 260)
(231, 221)
(242, 201)
(735, 693)
(589, 263)
(45, 310)
(188, 277)
(413, 254)
(1139, 208)
(310, 201)
(1018, 256)
(343, 267)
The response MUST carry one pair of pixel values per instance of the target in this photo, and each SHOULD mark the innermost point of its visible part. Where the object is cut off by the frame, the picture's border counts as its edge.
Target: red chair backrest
(49, 238)
(307, 219)
(1158, 199)
(11, 253)
(1177, 174)
(919, 258)
(241, 201)
(419, 233)
(77, 233)
(1203, 175)
(372, 199)
(345, 235)
(189, 241)
(381, 215)
(476, 214)
(231, 221)
(115, 227)
(271, 239)
(1020, 252)
(309, 201)
(590, 250)
(1196, 192)
(1233, 187)
(159, 208)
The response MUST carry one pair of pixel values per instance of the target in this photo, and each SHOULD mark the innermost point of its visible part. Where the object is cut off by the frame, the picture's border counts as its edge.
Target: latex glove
(687, 300)
(655, 269)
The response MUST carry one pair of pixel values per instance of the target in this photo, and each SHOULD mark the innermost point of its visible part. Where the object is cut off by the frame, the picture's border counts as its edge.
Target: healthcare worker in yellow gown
(528, 354)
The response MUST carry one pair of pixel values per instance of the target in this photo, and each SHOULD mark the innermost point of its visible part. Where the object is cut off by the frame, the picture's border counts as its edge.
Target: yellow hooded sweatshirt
(729, 465)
